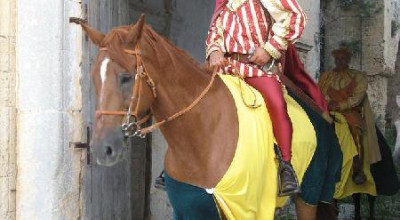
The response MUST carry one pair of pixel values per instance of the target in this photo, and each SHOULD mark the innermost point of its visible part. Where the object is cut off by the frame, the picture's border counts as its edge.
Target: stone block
(3, 196)
(12, 18)
(4, 130)
(3, 166)
(73, 81)
(42, 83)
(11, 194)
(40, 75)
(377, 93)
(4, 44)
(12, 58)
(39, 161)
(11, 216)
(4, 62)
(4, 17)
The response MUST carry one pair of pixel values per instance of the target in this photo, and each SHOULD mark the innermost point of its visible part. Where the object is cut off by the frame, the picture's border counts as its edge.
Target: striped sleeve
(215, 39)
(289, 23)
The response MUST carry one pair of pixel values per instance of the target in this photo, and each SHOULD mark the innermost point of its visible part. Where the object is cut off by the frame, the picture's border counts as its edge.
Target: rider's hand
(333, 106)
(217, 60)
(260, 57)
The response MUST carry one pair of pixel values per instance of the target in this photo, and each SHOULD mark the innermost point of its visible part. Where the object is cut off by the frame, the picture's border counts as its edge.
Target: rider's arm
(289, 22)
(360, 91)
(323, 84)
(215, 39)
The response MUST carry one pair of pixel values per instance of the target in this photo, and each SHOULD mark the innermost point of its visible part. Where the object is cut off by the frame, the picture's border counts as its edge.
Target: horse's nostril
(109, 151)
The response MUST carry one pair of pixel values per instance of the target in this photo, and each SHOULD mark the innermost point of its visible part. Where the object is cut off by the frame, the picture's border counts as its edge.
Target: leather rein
(132, 124)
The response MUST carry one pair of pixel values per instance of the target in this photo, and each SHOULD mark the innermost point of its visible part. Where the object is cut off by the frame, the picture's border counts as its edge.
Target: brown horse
(202, 142)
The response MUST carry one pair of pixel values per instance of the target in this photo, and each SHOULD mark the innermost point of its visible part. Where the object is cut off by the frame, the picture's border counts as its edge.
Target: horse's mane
(171, 48)
(115, 40)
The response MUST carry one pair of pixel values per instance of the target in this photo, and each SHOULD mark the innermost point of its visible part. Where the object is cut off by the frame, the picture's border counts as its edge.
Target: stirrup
(159, 183)
(294, 191)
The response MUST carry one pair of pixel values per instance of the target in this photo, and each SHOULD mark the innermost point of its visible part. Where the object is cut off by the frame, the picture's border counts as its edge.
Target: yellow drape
(248, 190)
(346, 187)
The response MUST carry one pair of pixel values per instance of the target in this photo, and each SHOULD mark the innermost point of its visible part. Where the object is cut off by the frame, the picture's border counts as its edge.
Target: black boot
(287, 180)
(160, 182)
(358, 176)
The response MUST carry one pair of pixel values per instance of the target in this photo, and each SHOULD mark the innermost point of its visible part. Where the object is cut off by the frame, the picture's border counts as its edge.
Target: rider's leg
(371, 200)
(271, 90)
(358, 173)
(357, 206)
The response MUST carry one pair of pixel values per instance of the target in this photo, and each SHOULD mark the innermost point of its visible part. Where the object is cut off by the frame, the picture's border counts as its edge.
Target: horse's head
(113, 75)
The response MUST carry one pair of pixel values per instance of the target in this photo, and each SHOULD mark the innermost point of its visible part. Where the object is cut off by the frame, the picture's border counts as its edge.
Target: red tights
(272, 92)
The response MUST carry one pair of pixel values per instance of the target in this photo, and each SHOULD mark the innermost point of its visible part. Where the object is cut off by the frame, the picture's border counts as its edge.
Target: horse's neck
(201, 142)
(178, 87)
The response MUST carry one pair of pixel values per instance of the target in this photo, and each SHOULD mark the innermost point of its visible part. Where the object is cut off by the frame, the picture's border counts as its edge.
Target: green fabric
(384, 172)
(190, 202)
(325, 168)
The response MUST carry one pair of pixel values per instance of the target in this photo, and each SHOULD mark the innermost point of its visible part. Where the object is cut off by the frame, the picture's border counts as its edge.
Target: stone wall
(384, 81)
(49, 106)
(393, 110)
(7, 109)
(310, 39)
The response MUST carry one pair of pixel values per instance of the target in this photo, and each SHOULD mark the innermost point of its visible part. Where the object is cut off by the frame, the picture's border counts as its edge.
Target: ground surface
(387, 208)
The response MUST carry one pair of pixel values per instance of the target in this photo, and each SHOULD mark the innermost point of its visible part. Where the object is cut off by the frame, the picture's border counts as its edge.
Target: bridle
(132, 124)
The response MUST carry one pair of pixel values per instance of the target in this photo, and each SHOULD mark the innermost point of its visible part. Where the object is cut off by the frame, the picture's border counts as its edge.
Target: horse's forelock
(115, 44)
(117, 35)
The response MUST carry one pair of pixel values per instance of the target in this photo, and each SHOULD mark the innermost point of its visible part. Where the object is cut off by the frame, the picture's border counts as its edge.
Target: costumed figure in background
(371, 169)
(345, 90)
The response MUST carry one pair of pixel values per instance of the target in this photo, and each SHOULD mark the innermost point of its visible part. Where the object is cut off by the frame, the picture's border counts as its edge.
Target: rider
(250, 35)
(345, 90)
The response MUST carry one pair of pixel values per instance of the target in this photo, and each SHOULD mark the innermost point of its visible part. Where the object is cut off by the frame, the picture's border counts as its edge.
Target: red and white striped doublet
(242, 26)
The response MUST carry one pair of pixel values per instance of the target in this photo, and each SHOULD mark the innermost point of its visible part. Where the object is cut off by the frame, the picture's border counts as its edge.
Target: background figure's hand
(333, 106)
(217, 60)
(260, 57)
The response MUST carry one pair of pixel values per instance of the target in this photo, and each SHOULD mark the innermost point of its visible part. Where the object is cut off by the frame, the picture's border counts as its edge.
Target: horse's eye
(125, 78)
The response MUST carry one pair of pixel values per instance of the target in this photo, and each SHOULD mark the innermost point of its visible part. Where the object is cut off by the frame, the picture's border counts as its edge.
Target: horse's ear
(94, 35)
(135, 33)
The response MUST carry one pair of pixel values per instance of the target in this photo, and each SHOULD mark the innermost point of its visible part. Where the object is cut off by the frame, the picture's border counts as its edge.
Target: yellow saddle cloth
(248, 190)
(346, 187)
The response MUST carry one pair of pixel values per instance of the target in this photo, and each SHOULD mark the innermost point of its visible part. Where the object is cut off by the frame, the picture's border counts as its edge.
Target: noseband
(132, 124)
